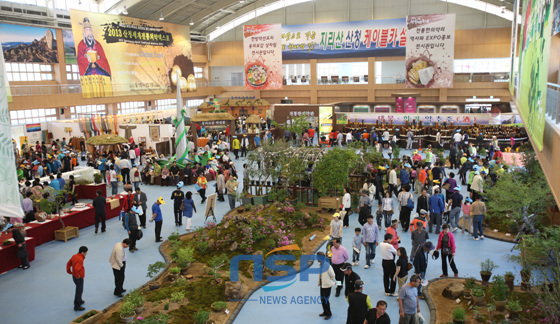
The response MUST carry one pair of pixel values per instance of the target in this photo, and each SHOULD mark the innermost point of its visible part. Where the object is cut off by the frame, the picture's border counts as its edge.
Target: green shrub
(499, 289)
(201, 316)
(459, 314)
(155, 268)
(184, 257)
(219, 306)
(514, 305)
(180, 282)
(175, 270)
(477, 291)
(135, 298)
(202, 246)
(174, 236)
(127, 309)
(177, 297)
(487, 266)
(470, 283)
(270, 244)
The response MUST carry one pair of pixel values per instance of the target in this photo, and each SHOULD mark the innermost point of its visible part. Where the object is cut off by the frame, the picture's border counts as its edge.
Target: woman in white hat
(336, 227)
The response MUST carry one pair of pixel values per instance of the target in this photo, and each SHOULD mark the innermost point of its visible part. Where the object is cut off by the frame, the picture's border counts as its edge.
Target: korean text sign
(262, 56)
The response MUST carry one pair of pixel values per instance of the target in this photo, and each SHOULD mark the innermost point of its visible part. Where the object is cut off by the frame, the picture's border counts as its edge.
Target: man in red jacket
(75, 267)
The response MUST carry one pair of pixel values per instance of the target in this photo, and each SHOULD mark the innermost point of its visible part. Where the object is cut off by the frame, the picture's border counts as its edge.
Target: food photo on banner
(26, 44)
(120, 55)
(384, 37)
(429, 51)
(534, 50)
(262, 56)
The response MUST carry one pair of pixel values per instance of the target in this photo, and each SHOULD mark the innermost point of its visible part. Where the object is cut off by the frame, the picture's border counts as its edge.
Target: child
(357, 242)
(402, 267)
(390, 152)
(467, 222)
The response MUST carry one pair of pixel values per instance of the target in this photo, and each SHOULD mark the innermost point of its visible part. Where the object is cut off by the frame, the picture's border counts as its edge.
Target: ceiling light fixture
(241, 1)
(125, 12)
(161, 18)
(191, 23)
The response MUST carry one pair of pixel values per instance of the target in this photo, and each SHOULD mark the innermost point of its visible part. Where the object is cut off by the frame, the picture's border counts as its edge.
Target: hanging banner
(262, 56)
(365, 38)
(430, 51)
(514, 27)
(26, 44)
(69, 47)
(325, 119)
(533, 66)
(120, 55)
(10, 204)
(556, 18)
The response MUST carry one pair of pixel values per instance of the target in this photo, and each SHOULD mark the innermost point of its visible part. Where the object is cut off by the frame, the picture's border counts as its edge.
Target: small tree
(216, 263)
(332, 171)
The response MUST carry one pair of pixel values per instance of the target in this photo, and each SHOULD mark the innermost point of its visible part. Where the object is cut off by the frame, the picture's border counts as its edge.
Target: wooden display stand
(329, 203)
(67, 233)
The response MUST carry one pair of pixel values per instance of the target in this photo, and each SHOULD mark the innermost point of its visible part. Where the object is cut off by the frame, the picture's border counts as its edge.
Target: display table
(329, 203)
(90, 191)
(67, 233)
(8, 254)
(515, 159)
(79, 173)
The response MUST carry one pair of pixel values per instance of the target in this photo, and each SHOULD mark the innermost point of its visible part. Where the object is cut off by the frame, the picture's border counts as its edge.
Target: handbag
(182, 206)
(410, 204)
(139, 234)
(197, 187)
(446, 186)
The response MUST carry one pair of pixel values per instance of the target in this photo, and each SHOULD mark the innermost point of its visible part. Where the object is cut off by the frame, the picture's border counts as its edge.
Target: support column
(443, 95)
(313, 81)
(371, 79)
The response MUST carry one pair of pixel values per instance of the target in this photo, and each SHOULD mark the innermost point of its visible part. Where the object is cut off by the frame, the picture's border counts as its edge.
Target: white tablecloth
(80, 172)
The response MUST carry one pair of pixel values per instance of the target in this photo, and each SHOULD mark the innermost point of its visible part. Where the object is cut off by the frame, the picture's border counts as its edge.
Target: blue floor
(50, 290)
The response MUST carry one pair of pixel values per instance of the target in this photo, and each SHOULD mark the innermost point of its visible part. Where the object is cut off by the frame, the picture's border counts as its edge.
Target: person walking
(347, 205)
(467, 221)
(388, 208)
(118, 263)
(132, 227)
(188, 208)
(358, 304)
(231, 190)
(326, 281)
(178, 196)
(404, 216)
(236, 145)
(99, 207)
(357, 242)
(421, 263)
(135, 175)
(388, 253)
(113, 180)
(157, 217)
(220, 185)
(393, 231)
(336, 227)
(202, 183)
(18, 234)
(75, 267)
(436, 210)
(401, 274)
(125, 166)
(478, 210)
(446, 243)
(408, 301)
(409, 139)
(419, 236)
(371, 237)
(378, 314)
(456, 201)
(140, 199)
(393, 181)
(244, 145)
(339, 256)
(350, 277)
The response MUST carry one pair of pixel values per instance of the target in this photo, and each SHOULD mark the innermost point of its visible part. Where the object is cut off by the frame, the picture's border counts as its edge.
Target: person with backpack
(140, 199)
(406, 205)
(136, 178)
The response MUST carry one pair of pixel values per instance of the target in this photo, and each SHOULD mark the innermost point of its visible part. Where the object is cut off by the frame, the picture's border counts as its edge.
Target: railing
(553, 102)
(55, 89)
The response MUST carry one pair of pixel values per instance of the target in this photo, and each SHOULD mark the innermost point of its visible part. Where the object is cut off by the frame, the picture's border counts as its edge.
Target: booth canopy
(253, 119)
(237, 103)
(106, 139)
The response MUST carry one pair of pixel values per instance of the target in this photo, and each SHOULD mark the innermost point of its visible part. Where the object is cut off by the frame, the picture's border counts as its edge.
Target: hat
(234, 136)
(468, 199)
(436, 181)
(346, 266)
(457, 130)
(428, 246)
(458, 188)
(180, 185)
(475, 167)
(244, 135)
(135, 210)
(471, 160)
(407, 165)
(397, 129)
(415, 152)
(382, 168)
(358, 284)
(160, 200)
(336, 215)
(423, 212)
(483, 172)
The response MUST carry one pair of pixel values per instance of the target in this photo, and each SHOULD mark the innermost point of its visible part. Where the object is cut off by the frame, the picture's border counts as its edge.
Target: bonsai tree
(155, 268)
(509, 278)
(177, 297)
(470, 283)
(184, 257)
(201, 316)
(486, 268)
(216, 263)
(514, 306)
(175, 270)
(499, 289)
(459, 315)
(332, 171)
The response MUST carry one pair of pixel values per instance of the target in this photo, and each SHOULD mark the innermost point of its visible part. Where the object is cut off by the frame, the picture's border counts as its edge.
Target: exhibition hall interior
(287, 161)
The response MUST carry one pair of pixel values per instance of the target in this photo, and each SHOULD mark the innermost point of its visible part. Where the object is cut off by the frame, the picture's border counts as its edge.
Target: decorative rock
(315, 225)
(453, 290)
(279, 209)
(211, 243)
(234, 247)
(226, 225)
(258, 253)
(189, 276)
(240, 209)
(306, 216)
(234, 290)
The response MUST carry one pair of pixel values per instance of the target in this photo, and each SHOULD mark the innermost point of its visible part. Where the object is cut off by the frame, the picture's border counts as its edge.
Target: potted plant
(153, 270)
(184, 257)
(486, 268)
(499, 291)
(201, 316)
(478, 295)
(88, 318)
(490, 308)
(514, 308)
(136, 299)
(470, 283)
(97, 178)
(127, 312)
(219, 306)
(509, 278)
(525, 278)
(459, 315)
(174, 273)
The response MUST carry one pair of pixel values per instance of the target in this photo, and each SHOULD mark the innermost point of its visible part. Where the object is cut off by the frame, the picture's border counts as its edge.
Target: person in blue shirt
(55, 165)
(257, 140)
(157, 217)
(54, 183)
(404, 175)
(436, 210)
(102, 167)
(61, 181)
(48, 166)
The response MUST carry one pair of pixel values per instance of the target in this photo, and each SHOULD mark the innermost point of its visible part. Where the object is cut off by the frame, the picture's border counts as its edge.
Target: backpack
(136, 173)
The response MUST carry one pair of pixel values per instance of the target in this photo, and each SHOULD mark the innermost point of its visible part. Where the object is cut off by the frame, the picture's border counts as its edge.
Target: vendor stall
(253, 123)
(210, 122)
(237, 107)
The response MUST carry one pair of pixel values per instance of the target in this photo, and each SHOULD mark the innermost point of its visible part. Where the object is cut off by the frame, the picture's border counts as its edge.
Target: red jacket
(128, 202)
(451, 241)
(75, 266)
(395, 241)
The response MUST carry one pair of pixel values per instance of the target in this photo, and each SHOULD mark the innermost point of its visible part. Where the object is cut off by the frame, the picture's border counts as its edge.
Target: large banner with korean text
(427, 119)
(365, 38)
(429, 51)
(120, 55)
(262, 56)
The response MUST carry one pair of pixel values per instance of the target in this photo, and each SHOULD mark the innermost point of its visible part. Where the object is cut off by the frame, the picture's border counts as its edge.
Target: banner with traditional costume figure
(119, 55)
